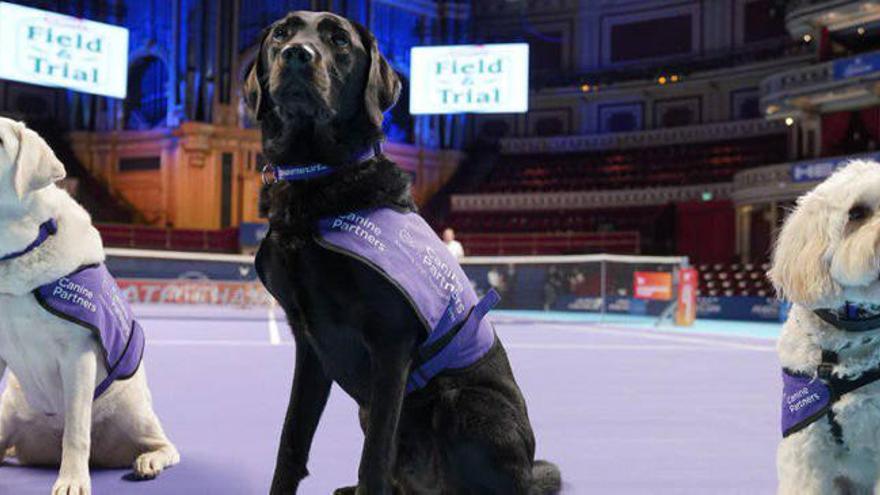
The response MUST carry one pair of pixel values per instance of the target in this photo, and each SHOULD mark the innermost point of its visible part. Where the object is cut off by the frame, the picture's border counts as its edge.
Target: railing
(585, 200)
(144, 237)
(721, 131)
(821, 80)
(777, 182)
(626, 242)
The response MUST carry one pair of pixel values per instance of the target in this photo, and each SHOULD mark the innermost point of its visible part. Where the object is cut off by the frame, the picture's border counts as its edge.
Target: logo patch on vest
(90, 298)
(804, 400)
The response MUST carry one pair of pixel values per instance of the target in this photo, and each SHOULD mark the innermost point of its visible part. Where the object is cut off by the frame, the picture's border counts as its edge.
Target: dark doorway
(226, 191)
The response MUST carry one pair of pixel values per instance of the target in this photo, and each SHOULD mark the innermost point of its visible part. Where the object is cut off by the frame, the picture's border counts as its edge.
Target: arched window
(147, 102)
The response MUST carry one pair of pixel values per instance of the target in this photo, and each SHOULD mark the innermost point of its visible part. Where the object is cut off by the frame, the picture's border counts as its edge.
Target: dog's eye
(339, 40)
(858, 213)
(279, 33)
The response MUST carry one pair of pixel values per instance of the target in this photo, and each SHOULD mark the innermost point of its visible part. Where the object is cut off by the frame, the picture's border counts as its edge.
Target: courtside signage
(656, 286)
(49, 49)
(469, 78)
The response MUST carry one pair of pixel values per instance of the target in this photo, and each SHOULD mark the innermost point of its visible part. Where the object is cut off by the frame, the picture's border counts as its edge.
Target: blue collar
(47, 229)
(273, 173)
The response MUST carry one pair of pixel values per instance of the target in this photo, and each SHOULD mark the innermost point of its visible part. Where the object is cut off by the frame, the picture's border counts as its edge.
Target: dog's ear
(36, 165)
(800, 269)
(254, 91)
(383, 85)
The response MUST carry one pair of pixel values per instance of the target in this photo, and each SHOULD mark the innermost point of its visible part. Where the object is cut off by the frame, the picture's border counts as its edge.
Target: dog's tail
(546, 478)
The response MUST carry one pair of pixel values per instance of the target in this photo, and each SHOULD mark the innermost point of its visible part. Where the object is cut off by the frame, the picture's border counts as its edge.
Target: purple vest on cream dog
(804, 400)
(90, 298)
(403, 248)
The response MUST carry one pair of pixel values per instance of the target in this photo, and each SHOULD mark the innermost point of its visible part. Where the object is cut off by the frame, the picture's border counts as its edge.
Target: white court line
(274, 334)
(214, 343)
(611, 347)
(637, 333)
(534, 347)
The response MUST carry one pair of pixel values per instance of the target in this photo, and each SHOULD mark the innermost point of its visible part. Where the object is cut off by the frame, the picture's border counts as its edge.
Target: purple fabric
(90, 297)
(47, 229)
(804, 400)
(294, 173)
(403, 248)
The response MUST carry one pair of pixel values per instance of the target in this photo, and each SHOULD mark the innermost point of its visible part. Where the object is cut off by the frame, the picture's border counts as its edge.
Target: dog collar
(47, 229)
(273, 173)
(851, 318)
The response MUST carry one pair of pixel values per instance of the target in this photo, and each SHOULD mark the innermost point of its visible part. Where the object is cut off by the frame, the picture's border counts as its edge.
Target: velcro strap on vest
(439, 340)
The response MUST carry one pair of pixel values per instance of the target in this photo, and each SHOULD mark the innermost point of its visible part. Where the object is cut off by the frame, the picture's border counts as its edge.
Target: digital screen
(50, 49)
(469, 78)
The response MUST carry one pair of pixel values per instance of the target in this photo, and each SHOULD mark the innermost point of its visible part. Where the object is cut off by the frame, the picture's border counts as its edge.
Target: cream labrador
(76, 391)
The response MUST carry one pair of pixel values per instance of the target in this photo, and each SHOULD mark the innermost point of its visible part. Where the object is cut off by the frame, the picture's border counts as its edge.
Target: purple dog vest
(90, 298)
(404, 249)
(805, 399)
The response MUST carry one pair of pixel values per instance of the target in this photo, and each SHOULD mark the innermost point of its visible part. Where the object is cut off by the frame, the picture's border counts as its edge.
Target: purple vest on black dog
(90, 298)
(404, 249)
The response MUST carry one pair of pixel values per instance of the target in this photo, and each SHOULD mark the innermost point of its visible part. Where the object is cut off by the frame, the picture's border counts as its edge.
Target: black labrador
(319, 88)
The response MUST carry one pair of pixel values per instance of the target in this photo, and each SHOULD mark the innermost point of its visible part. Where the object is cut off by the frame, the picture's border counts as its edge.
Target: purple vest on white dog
(90, 298)
(404, 249)
(804, 400)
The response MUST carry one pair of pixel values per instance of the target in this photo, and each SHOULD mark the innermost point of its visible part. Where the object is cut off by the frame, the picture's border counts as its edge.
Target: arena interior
(659, 137)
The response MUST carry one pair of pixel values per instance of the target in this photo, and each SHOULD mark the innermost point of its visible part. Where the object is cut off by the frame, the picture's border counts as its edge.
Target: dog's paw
(70, 485)
(150, 464)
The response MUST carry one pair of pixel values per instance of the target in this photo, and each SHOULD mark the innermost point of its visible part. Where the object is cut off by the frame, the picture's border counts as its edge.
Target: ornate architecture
(179, 150)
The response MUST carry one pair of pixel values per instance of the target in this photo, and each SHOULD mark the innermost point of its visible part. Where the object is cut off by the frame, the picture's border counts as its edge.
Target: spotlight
(585, 87)
(673, 78)
(861, 31)
(789, 121)
(807, 38)
(661, 79)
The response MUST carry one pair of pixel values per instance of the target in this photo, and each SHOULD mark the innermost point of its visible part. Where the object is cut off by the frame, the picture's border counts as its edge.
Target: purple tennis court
(620, 406)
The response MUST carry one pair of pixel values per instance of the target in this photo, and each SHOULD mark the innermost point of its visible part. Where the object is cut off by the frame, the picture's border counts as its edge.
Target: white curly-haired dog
(76, 390)
(827, 263)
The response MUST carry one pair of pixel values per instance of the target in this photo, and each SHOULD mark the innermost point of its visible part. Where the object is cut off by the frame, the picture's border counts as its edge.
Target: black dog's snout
(300, 54)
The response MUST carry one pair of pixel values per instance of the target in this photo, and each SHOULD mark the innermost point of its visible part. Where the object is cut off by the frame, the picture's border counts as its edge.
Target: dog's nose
(301, 54)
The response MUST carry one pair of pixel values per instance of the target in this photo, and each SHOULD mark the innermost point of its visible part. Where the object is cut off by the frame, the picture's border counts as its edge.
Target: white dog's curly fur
(47, 414)
(826, 256)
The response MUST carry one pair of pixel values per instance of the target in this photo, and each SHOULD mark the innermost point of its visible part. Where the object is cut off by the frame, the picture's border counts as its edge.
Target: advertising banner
(686, 312)
(244, 294)
(656, 286)
(856, 66)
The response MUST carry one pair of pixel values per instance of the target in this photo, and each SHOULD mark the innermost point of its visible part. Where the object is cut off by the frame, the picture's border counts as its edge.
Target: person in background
(454, 246)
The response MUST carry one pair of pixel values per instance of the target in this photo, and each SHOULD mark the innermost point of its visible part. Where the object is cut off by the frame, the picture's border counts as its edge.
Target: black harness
(853, 319)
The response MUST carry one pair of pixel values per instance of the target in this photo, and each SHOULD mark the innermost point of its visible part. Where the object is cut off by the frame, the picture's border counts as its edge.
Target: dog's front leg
(78, 373)
(387, 389)
(308, 396)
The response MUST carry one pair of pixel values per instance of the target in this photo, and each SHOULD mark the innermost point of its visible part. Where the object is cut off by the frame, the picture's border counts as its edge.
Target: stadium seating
(676, 165)
(735, 279)
(145, 237)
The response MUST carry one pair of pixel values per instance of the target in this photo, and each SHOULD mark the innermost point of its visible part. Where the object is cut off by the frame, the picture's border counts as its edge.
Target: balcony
(808, 16)
(836, 85)
(719, 131)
